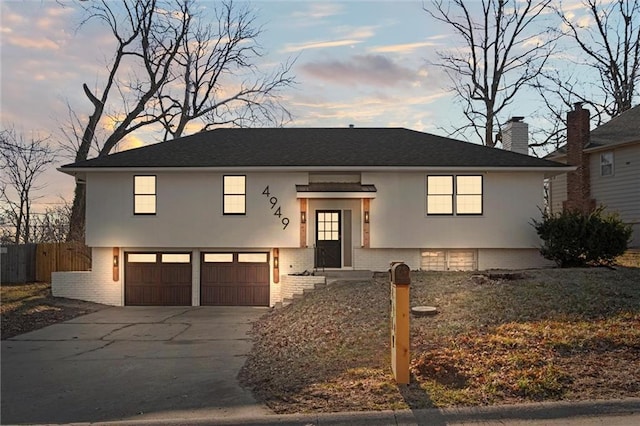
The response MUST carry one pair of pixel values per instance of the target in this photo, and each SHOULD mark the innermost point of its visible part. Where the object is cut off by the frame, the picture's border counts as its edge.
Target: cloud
(373, 110)
(32, 43)
(357, 33)
(319, 11)
(402, 48)
(375, 70)
(319, 45)
(129, 142)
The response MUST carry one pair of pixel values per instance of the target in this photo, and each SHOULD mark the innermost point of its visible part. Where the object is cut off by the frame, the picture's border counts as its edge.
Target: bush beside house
(572, 238)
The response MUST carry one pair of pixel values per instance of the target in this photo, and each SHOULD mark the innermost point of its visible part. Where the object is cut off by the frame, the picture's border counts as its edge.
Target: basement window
(606, 164)
(144, 195)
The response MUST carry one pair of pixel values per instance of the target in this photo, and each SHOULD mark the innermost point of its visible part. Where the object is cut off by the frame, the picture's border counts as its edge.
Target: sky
(366, 63)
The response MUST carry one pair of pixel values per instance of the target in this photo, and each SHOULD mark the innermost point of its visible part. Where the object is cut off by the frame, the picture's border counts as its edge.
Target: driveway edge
(567, 412)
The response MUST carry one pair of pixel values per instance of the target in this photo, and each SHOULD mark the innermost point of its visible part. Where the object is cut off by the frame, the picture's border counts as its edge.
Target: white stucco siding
(510, 201)
(189, 211)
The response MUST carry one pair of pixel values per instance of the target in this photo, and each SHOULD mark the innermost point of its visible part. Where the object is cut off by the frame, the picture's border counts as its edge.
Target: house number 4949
(273, 200)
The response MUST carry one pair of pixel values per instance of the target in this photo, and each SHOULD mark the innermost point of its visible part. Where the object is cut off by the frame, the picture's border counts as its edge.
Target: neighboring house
(608, 167)
(236, 216)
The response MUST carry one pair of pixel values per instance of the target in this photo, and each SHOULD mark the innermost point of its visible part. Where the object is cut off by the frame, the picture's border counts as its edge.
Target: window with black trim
(468, 195)
(447, 194)
(440, 195)
(144, 195)
(606, 164)
(235, 194)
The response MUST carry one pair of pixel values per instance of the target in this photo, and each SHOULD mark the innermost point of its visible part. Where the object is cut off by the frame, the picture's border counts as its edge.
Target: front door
(328, 239)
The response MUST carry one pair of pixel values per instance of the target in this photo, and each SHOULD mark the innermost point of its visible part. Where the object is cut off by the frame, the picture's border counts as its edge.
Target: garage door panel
(157, 284)
(158, 296)
(178, 274)
(240, 283)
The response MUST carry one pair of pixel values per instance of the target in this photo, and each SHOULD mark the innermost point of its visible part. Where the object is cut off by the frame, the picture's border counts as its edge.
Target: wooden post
(400, 355)
(303, 223)
(366, 215)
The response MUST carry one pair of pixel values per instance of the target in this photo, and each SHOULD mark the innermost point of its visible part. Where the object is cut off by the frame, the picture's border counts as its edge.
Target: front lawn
(538, 335)
(28, 307)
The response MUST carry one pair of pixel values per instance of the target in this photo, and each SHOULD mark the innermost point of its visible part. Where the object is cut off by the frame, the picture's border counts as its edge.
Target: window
(252, 257)
(218, 257)
(234, 195)
(328, 226)
(141, 258)
(439, 194)
(468, 194)
(443, 197)
(176, 258)
(144, 195)
(606, 164)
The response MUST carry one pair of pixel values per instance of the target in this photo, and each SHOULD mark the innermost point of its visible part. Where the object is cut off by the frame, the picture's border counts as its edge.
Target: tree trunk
(488, 129)
(76, 224)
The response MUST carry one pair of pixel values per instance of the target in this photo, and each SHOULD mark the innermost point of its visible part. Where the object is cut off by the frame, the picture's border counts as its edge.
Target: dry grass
(548, 334)
(28, 307)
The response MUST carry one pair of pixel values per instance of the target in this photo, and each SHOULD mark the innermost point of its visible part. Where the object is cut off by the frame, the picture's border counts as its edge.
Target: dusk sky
(361, 63)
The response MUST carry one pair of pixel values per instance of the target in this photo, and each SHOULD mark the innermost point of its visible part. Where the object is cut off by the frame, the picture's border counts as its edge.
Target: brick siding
(96, 285)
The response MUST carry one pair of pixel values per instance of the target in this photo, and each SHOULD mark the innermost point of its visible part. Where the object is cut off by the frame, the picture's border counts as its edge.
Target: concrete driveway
(130, 363)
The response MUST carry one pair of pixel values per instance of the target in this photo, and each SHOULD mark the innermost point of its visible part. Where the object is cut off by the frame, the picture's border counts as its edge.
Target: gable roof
(312, 147)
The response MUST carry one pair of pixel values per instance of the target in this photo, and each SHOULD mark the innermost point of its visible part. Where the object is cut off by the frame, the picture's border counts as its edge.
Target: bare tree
(165, 47)
(52, 226)
(607, 37)
(500, 55)
(148, 36)
(200, 88)
(22, 162)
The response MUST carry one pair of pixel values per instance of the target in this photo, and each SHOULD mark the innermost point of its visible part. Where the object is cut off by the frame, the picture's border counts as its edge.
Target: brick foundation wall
(296, 284)
(379, 260)
(96, 285)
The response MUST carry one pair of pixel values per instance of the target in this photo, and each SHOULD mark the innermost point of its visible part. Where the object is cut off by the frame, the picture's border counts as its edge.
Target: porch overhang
(336, 190)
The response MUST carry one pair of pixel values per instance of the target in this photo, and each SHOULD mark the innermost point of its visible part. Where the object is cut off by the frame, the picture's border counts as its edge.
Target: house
(236, 216)
(608, 167)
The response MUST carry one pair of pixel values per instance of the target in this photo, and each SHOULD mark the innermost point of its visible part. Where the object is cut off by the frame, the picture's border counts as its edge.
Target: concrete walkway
(145, 363)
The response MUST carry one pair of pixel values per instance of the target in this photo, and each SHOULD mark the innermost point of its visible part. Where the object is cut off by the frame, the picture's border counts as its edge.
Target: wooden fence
(35, 262)
(18, 263)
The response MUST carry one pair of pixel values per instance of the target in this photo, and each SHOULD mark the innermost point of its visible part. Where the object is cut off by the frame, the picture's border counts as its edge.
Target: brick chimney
(578, 181)
(515, 136)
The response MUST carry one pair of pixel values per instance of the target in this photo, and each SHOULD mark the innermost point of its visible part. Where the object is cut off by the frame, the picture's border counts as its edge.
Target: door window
(328, 226)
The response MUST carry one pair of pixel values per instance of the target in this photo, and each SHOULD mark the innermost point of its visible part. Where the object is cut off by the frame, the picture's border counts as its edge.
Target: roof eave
(559, 169)
(610, 146)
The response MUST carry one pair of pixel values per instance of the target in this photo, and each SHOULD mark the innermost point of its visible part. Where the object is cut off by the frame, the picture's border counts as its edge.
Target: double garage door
(226, 279)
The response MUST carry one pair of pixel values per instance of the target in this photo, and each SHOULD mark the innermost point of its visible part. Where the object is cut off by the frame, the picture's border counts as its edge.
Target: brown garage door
(157, 279)
(234, 279)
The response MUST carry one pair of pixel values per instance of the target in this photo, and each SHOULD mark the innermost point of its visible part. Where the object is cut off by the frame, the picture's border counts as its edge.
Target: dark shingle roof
(313, 147)
(621, 129)
(336, 187)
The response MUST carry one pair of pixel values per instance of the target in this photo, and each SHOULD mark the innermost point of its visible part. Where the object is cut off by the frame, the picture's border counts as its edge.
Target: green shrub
(572, 238)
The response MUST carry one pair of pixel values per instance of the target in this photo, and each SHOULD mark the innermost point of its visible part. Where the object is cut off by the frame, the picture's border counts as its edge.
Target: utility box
(400, 279)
